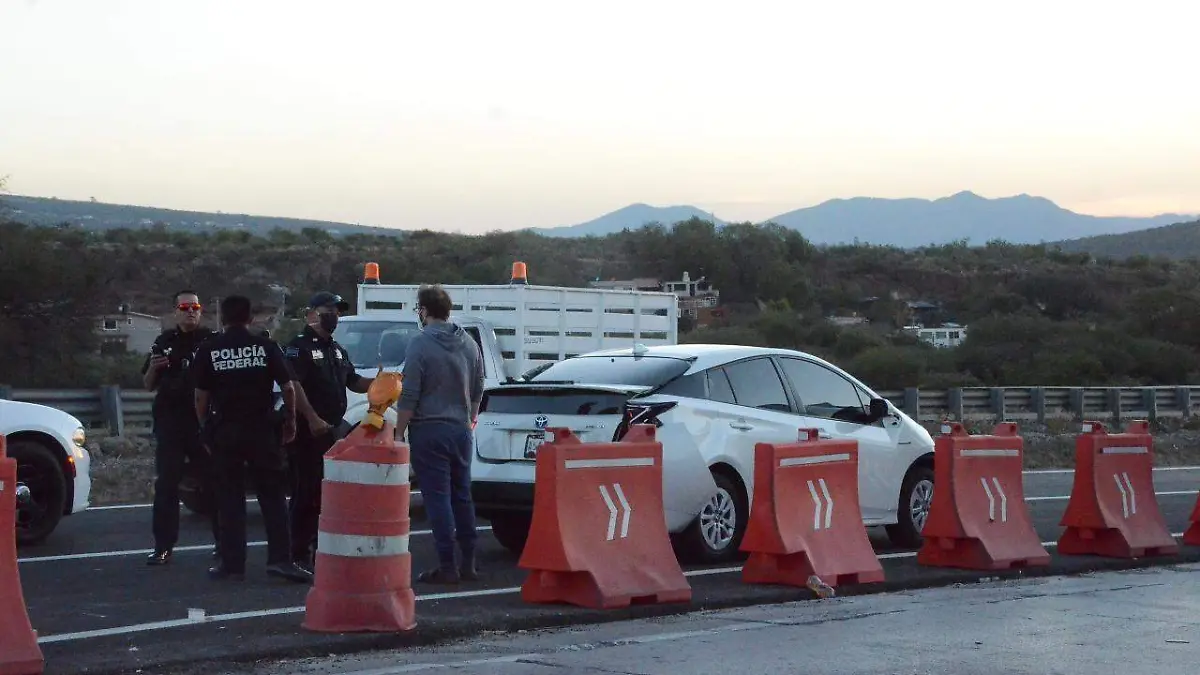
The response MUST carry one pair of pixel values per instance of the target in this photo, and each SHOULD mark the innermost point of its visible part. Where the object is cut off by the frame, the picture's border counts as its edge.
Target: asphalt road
(1145, 621)
(98, 608)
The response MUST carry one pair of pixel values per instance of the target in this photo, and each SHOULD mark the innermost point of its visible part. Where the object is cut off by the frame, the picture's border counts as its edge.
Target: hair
(436, 301)
(235, 310)
(185, 291)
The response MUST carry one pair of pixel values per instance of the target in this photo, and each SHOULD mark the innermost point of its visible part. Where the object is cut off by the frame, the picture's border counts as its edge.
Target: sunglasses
(188, 306)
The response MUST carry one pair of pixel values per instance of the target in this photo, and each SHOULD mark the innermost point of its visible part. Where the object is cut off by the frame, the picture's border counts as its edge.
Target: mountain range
(1021, 219)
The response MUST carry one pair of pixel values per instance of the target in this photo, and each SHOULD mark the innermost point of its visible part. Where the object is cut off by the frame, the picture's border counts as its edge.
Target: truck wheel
(511, 530)
(916, 496)
(41, 491)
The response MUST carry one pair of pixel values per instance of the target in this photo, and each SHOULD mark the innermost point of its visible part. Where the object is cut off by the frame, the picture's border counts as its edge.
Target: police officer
(166, 372)
(323, 372)
(235, 373)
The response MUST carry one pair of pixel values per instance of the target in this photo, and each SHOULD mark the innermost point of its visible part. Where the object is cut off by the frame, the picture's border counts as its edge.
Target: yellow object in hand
(381, 395)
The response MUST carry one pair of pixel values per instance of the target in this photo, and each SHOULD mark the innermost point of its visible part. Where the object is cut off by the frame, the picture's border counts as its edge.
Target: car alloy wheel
(919, 503)
(718, 520)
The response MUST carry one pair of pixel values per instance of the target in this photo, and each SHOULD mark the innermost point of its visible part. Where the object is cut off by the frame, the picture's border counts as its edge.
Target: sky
(478, 115)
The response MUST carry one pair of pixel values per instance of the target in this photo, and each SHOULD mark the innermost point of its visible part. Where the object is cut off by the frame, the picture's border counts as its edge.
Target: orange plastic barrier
(1113, 511)
(978, 518)
(598, 537)
(19, 650)
(363, 577)
(1191, 536)
(806, 518)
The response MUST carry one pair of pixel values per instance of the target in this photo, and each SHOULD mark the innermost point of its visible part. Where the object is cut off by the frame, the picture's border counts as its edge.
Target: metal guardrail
(1045, 403)
(107, 407)
(116, 410)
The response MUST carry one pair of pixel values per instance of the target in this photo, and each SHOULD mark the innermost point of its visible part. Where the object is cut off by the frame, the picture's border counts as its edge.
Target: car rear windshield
(638, 371)
(569, 401)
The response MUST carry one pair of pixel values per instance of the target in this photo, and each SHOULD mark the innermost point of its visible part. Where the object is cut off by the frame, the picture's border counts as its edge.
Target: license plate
(532, 443)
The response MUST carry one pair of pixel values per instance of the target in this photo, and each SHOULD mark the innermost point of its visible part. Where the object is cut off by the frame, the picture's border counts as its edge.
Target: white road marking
(1039, 472)
(454, 595)
(148, 551)
(1171, 493)
(119, 507)
(483, 528)
(1027, 472)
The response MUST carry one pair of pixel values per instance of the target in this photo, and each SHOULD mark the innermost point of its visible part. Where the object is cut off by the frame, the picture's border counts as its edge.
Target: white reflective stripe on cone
(365, 473)
(359, 546)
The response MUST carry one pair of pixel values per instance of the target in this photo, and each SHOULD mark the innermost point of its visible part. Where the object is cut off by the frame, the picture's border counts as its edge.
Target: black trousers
(241, 452)
(177, 439)
(307, 468)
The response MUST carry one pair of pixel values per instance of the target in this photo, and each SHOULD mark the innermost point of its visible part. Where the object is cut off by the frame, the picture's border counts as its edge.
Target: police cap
(325, 298)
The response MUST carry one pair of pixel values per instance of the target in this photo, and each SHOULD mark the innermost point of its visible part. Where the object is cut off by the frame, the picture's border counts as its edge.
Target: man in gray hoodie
(439, 403)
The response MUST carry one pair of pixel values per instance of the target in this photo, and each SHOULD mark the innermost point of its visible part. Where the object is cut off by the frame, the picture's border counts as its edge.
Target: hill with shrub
(1036, 315)
(1180, 241)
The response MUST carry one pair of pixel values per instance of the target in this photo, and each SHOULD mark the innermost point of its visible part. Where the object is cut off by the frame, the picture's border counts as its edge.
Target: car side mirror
(879, 409)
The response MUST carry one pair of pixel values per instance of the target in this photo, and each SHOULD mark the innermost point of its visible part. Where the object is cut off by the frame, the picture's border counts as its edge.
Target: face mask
(329, 322)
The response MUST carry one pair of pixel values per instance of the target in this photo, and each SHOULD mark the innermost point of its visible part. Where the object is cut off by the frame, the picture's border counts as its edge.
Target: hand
(318, 426)
(289, 430)
(159, 362)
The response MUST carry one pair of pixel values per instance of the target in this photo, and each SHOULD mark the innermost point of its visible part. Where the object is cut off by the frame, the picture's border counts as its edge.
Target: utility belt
(216, 423)
(174, 403)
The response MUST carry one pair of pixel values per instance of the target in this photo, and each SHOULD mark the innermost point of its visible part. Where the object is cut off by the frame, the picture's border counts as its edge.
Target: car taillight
(641, 413)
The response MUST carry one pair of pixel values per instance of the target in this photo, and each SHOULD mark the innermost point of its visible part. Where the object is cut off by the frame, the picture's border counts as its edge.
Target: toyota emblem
(541, 421)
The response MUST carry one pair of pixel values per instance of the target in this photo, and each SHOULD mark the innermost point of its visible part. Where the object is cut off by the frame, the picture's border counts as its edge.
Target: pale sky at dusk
(479, 115)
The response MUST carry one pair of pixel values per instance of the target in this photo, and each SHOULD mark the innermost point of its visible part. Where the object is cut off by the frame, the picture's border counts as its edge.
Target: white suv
(711, 404)
(53, 466)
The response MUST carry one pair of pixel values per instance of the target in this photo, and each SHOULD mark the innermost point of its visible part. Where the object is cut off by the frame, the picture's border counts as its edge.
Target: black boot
(440, 575)
(291, 572)
(220, 572)
(159, 557)
(466, 569)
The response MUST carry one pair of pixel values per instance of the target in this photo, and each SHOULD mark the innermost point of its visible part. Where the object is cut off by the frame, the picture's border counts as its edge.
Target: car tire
(912, 511)
(511, 530)
(39, 470)
(716, 534)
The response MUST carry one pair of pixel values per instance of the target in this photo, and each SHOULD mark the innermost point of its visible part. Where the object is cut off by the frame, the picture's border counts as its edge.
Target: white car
(53, 466)
(711, 404)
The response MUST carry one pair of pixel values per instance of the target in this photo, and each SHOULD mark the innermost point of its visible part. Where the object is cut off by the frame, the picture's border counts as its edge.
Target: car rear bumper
(502, 486)
(490, 497)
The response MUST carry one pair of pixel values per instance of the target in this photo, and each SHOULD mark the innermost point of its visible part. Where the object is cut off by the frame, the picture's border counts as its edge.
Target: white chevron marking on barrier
(818, 504)
(625, 511)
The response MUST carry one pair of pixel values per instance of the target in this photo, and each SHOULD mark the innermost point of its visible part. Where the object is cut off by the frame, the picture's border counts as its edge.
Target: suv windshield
(374, 343)
(644, 371)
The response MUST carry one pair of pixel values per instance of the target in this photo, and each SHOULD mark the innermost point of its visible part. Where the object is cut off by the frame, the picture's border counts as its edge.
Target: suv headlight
(78, 439)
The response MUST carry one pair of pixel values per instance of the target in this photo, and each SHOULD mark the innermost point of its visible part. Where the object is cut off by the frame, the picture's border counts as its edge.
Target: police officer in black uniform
(323, 372)
(235, 375)
(177, 434)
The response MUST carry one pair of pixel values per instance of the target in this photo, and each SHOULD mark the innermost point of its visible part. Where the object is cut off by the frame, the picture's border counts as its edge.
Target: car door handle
(741, 426)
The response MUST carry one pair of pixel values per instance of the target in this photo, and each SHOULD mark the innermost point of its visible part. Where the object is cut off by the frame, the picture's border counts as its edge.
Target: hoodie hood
(448, 336)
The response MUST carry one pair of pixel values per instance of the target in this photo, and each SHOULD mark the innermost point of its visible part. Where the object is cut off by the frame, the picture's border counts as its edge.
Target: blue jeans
(441, 457)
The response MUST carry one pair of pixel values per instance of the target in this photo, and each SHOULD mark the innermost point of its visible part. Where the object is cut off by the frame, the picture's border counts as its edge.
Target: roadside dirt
(123, 468)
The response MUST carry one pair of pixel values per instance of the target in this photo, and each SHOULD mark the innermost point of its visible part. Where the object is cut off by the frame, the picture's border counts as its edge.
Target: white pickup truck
(519, 327)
